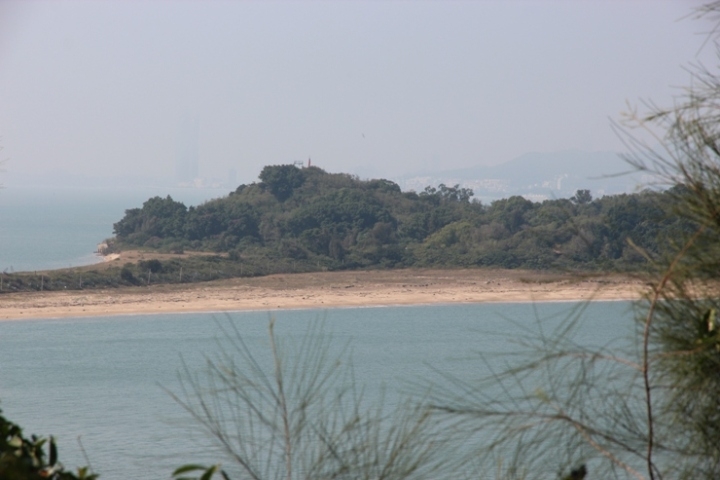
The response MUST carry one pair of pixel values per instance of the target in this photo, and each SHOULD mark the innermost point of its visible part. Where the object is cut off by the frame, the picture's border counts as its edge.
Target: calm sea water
(104, 380)
(56, 228)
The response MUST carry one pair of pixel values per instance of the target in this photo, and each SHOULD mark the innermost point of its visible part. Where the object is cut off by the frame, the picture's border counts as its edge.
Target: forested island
(336, 221)
(306, 219)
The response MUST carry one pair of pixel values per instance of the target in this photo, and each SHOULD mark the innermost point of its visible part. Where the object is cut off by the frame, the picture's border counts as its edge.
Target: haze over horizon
(376, 88)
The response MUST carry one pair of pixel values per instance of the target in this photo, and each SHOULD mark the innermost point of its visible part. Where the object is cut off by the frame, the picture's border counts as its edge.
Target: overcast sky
(384, 87)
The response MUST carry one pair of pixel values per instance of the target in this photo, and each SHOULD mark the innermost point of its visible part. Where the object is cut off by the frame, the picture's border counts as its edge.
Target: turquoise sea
(104, 382)
(46, 228)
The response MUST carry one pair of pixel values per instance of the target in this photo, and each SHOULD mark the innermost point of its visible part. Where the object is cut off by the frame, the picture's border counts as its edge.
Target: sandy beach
(323, 290)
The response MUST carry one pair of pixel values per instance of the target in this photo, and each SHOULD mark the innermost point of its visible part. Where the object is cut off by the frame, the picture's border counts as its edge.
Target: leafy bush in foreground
(25, 459)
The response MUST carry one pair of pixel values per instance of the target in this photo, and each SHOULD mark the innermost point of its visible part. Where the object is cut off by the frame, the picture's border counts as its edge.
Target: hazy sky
(373, 86)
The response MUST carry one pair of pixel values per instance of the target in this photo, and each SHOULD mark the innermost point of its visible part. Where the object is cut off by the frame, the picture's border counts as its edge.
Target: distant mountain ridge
(539, 176)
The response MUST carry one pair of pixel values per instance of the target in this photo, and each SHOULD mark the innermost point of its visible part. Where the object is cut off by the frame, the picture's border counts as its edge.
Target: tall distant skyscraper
(186, 155)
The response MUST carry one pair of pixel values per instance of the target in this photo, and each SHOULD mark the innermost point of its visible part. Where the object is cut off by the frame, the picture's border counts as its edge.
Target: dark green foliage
(25, 459)
(336, 221)
(126, 275)
(384, 185)
(282, 180)
(159, 217)
(154, 265)
(447, 194)
(316, 220)
(511, 212)
(582, 197)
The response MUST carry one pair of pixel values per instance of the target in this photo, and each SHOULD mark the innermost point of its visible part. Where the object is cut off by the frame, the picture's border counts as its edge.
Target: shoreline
(324, 290)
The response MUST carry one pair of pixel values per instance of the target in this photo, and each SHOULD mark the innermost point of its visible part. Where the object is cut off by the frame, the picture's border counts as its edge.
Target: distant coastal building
(186, 155)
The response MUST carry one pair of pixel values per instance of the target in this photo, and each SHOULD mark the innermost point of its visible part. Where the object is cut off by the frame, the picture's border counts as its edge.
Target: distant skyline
(374, 88)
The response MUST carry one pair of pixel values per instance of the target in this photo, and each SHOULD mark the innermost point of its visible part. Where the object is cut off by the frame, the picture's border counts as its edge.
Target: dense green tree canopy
(339, 221)
(26, 458)
(282, 180)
